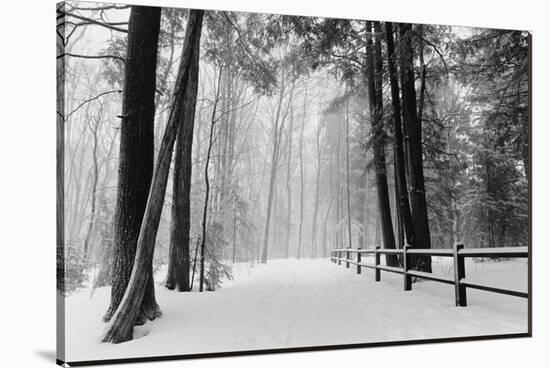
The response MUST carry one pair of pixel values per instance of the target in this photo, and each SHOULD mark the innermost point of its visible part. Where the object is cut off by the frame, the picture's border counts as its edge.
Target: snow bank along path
(293, 303)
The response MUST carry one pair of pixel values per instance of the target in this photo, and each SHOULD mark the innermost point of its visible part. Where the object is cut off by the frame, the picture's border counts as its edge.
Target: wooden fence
(458, 253)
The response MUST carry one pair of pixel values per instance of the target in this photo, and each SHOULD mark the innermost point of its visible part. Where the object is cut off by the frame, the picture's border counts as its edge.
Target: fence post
(407, 282)
(358, 261)
(376, 263)
(347, 258)
(460, 273)
(338, 254)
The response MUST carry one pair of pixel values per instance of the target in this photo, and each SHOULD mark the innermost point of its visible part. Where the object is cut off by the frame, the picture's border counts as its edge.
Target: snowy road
(291, 303)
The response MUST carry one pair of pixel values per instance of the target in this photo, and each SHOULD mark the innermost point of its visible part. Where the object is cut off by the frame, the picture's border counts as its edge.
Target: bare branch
(95, 22)
(90, 100)
(92, 56)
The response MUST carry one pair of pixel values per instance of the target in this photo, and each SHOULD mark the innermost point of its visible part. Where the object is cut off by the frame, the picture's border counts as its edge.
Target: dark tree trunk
(419, 208)
(400, 176)
(136, 155)
(374, 77)
(398, 215)
(120, 328)
(423, 75)
(179, 261)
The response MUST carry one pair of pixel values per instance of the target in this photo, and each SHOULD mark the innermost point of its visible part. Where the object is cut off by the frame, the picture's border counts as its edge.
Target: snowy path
(291, 303)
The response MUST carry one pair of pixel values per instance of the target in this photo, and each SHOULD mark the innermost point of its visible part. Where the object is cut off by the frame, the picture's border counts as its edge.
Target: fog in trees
(195, 141)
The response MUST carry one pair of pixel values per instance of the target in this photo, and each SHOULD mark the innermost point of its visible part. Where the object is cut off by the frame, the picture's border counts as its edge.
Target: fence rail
(458, 253)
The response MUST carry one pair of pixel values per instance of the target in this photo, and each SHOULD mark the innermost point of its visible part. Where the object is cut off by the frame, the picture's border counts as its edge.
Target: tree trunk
(179, 261)
(400, 176)
(93, 192)
(120, 328)
(278, 127)
(301, 157)
(362, 213)
(347, 176)
(374, 77)
(207, 182)
(234, 252)
(136, 157)
(60, 168)
(288, 182)
(419, 210)
(338, 203)
(317, 185)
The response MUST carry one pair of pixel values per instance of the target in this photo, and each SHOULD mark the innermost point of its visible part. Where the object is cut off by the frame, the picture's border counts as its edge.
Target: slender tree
(179, 261)
(213, 121)
(93, 125)
(278, 127)
(314, 229)
(302, 179)
(289, 182)
(347, 174)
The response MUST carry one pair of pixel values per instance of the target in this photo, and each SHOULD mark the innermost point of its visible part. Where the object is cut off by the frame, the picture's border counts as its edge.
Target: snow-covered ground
(291, 303)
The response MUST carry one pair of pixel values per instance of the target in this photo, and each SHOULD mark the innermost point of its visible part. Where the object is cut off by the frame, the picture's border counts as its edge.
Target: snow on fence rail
(458, 253)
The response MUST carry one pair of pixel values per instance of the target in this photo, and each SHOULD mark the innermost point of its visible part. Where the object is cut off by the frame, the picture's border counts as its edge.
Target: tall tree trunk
(374, 77)
(347, 176)
(93, 192)
(400, 176)
(179, 261)
(278, 127)
(207, 182)
(317, 185)
(288, 182)
(120, 328)
(325, 224)
(234, 252)
(136, 158)
(423, 75)
(362, 213)
(419, 208)
(60, 175)
(301, 157)
(338, 204)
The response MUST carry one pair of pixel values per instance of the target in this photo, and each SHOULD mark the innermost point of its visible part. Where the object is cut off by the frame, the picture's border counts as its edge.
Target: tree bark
(374, 77)
(136, 156)
(419, 210)
(120, 328)
(400, 176)
(179, 261)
